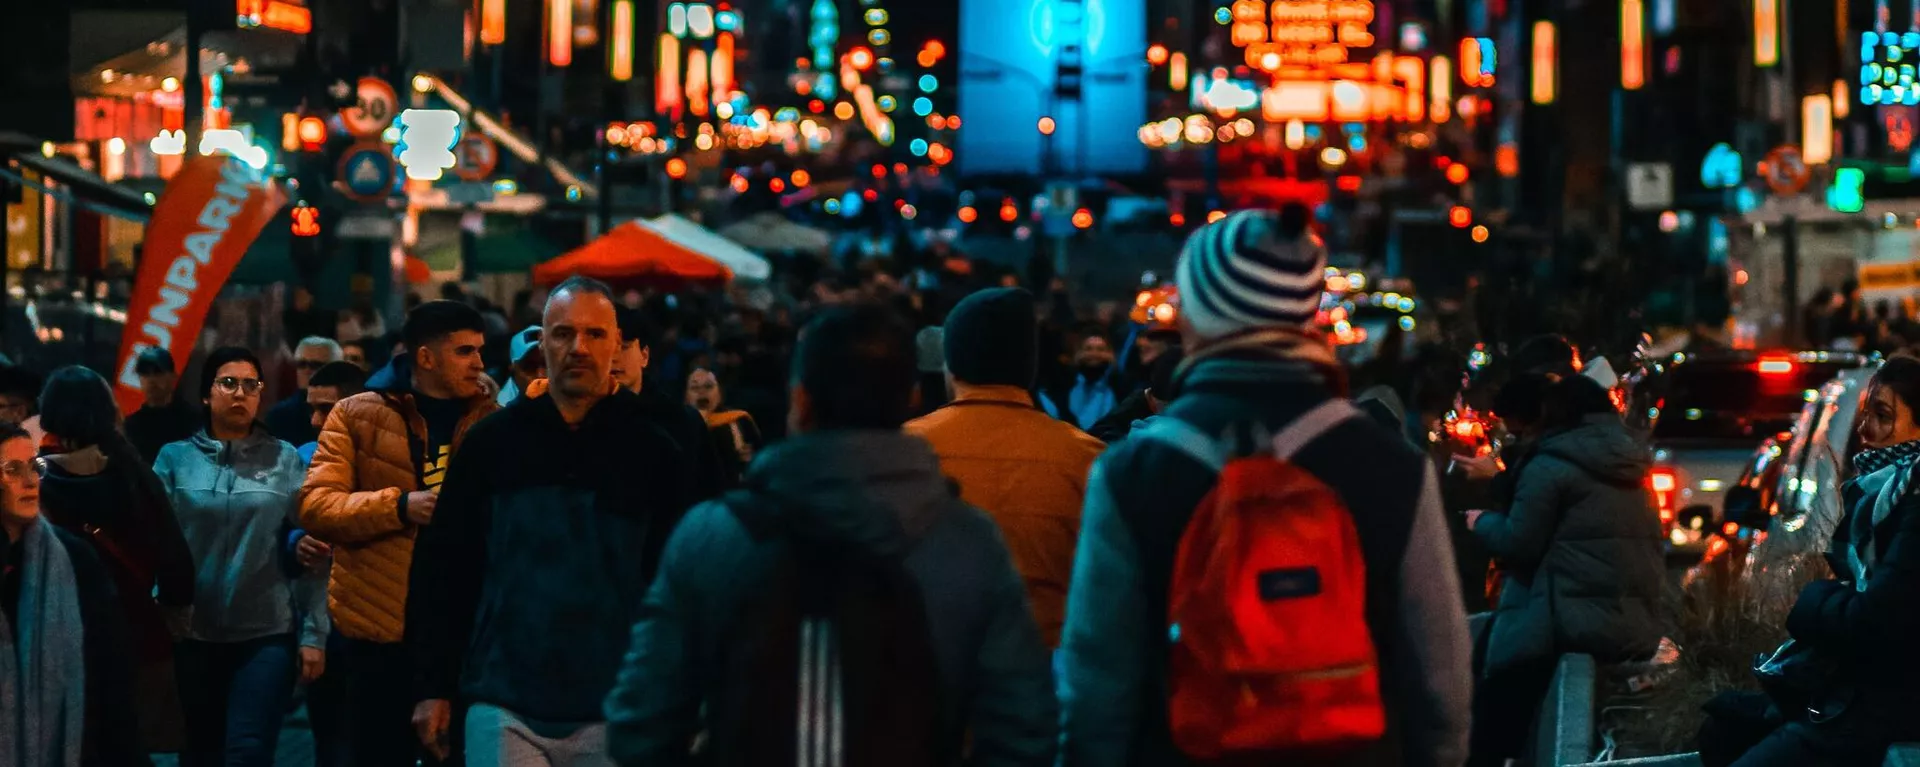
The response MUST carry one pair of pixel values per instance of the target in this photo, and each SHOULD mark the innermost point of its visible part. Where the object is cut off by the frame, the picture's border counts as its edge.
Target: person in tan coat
(373, 483)
(1024, 468)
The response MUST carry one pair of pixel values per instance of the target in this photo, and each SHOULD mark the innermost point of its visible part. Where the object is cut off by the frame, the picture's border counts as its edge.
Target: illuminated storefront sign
(1301, 32)
(274, 14)
(1887, 68)
(427, 137)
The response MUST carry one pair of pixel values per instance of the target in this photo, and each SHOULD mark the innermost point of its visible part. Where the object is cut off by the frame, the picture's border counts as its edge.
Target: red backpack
(1267, 611)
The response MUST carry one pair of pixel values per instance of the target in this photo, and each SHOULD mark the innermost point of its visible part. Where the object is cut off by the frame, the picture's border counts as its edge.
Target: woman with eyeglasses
(234, 487)
(64, 672)
(1857, 688)
(97, 486)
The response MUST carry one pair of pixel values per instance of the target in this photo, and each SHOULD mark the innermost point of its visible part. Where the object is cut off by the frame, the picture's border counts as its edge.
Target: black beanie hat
(993, 339)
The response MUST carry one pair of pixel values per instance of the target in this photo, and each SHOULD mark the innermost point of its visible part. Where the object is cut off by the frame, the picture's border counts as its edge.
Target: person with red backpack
(1264, 573)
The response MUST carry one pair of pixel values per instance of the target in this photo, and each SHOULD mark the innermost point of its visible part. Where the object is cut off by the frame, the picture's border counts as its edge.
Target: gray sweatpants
(498, 738)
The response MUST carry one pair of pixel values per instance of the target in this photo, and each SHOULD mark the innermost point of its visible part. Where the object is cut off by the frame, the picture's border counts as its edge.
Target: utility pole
(192, 93)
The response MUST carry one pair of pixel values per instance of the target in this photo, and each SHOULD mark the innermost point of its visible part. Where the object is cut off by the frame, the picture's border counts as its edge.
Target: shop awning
(772, 232)
(744, 264)
(76, 185)
(634, 255)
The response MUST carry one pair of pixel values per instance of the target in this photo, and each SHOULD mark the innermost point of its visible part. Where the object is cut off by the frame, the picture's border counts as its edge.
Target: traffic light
(1846, 195)
(306, 220)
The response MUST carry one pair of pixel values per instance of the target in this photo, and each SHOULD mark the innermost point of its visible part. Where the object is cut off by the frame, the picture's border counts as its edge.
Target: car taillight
(1776, 365)
(1663, 482)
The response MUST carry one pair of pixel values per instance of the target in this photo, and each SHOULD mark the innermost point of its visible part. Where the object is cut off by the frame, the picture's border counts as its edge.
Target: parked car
(1706, 415)
(1784, 509)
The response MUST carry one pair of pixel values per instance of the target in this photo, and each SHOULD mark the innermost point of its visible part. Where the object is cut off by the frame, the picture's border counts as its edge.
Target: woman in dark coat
(1581, 546)
(65, 693)
(98, 487)
(1865, 620)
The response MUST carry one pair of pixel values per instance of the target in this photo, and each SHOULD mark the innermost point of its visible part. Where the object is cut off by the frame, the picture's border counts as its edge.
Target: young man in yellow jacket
(372, 486)
(1024, 468)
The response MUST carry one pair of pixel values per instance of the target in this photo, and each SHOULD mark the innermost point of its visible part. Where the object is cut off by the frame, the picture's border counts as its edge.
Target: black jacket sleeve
(160, 530)
(709, 474)
(112, 717)
(449, 568)
(1878, 622)
(1118, 423)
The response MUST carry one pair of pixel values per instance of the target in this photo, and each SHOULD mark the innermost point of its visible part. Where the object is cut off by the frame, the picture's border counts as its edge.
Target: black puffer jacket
(1582, 542)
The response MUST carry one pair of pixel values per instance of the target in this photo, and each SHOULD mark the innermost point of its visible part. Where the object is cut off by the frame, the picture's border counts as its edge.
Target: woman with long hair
(64, 669)
(235, 486)
(97, 486)
(1859, 627)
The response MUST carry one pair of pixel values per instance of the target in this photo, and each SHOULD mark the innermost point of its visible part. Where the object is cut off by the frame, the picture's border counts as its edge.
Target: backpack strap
(1310, 426)
(1186, 438)
(1214, 453)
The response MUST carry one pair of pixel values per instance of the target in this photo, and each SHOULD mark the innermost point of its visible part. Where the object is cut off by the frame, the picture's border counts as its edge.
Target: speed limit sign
(374, 106)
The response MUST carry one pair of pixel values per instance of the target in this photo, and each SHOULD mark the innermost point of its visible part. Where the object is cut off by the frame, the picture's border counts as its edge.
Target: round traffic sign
(476, 156)
(374, 106)
(1785, 170)
(366, 171)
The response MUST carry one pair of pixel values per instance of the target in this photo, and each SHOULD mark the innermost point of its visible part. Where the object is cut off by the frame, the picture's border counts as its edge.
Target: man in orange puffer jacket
(372, 485)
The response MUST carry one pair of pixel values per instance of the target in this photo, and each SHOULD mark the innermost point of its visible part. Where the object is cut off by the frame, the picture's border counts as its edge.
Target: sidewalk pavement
(295, 748)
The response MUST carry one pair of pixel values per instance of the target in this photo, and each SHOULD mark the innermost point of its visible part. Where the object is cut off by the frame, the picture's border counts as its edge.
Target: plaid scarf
(1884, 477)
(1872, 461)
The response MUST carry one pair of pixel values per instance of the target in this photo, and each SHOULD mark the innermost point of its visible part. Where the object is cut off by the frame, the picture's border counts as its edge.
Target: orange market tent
(634, 255)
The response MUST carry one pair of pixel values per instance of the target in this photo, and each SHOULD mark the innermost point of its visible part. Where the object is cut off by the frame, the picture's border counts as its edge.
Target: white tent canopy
(746, 265)
(772, 231)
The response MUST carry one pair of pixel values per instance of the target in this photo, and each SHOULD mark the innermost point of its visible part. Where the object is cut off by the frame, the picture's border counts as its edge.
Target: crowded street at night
(928, 383)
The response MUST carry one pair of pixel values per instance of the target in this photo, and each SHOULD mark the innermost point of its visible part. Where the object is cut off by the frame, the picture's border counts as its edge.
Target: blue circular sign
(366, 172)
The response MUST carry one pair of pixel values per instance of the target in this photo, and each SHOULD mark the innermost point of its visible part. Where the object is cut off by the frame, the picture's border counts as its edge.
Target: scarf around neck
(1304, 347)
(1884, 477)
(42, 669)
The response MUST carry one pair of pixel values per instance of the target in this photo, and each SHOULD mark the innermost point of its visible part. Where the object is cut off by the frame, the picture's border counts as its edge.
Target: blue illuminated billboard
(1887, 68)
(1011, 55)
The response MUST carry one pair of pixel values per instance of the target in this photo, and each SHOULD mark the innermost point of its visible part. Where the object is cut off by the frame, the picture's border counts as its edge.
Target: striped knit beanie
(1253, 269)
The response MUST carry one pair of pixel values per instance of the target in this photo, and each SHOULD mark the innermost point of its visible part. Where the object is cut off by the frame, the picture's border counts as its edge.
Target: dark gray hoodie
(879, 491)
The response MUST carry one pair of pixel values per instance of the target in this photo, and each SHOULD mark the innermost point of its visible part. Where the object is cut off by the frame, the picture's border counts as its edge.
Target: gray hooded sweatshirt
(236, 506)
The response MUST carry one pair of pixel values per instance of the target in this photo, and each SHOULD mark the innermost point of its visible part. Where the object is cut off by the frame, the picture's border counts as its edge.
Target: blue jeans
(234, 695)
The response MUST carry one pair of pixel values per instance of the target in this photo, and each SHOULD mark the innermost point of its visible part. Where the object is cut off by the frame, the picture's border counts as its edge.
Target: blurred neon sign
(1224, 94)
(1301, 32)
(1722, 167)
(1887, 68)
(427, 137)
(1478, 59)
(235, 143)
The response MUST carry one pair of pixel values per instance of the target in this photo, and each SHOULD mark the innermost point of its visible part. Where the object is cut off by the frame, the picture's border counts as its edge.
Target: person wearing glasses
(235, 488)
(289, 419)
(63, 665)
(97, 486)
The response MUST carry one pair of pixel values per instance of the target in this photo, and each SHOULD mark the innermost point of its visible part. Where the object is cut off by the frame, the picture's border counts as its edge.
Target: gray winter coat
(1582, 545)
(879, 490)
